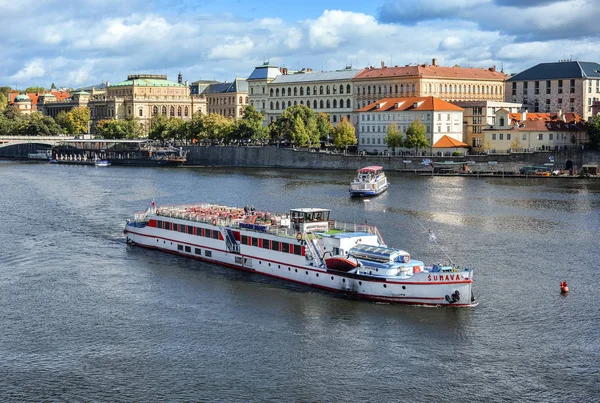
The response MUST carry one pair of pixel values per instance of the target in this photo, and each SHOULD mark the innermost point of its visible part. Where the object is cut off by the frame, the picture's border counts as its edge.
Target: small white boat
(369, 181)
(102, 163)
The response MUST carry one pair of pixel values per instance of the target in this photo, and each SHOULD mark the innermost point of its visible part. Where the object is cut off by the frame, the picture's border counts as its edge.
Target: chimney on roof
(493, 68)
(434, 62)
(382, 64)
(179, 78)
(524, 115)
(560, 115)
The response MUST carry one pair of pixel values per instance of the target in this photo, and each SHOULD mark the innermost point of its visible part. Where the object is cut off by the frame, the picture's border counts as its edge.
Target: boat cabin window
(309, 215)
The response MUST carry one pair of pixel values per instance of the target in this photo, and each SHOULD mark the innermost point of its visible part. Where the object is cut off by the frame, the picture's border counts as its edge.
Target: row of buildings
(457, 103)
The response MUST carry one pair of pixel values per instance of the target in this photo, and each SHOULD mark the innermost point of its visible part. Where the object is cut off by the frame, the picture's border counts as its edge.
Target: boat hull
(419, 290)
(367, 193)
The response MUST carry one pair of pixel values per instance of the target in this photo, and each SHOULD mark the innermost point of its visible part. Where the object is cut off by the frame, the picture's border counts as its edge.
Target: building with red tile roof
(34, 97)
(451, 84)
(517, 132)
(439, 117)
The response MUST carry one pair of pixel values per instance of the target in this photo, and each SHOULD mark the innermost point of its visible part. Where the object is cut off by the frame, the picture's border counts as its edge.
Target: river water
(85, 317)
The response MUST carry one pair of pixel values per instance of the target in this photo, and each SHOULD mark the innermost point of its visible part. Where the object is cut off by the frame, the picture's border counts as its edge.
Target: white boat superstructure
(369, 181)
(304, 246)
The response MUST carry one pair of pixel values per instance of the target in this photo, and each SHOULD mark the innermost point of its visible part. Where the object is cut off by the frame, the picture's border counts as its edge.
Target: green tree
(8, 125)
(52, 87)
(3, 101)
(299, 132)
(250, 126)
(344, 135)
(217, 127)
(324, 127)
(127, 128)
(79, 118)
(36, 124)
(62, 119)
(283, 127)
(159, 128)
(394, 137)
(516, 143)
(594, 131)
(415, 136)
(35, 89)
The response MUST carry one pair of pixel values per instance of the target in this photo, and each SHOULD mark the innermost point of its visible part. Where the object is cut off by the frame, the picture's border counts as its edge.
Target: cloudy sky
(83, 42)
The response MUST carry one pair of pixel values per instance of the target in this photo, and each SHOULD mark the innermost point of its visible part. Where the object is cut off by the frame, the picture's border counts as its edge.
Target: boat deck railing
(232, 217)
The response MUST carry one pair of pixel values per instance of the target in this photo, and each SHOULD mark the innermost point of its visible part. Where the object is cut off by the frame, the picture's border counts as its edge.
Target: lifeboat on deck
(341, 263)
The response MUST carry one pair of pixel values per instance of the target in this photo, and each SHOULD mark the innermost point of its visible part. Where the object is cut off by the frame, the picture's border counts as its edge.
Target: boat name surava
(444, 277)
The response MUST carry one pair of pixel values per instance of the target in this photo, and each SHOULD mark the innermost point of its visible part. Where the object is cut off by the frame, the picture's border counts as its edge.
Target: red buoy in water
(564, 288)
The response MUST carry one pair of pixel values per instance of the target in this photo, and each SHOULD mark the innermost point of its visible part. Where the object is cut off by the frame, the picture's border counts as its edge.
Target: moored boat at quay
(303, 246)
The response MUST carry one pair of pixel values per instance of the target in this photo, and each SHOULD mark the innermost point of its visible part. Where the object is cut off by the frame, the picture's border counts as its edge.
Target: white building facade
(439, 117)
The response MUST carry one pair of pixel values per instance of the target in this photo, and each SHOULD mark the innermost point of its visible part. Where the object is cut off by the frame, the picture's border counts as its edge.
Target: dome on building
(22, 98)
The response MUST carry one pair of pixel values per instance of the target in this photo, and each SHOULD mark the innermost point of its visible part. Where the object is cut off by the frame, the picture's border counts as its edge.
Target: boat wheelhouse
(369, 181)
(303, 246)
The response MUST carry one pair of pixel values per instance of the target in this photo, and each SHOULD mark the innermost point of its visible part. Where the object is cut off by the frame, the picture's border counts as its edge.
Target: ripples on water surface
(84, 317)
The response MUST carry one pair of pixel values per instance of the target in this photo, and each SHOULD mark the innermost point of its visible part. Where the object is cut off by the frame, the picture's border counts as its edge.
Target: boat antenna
(433, 238)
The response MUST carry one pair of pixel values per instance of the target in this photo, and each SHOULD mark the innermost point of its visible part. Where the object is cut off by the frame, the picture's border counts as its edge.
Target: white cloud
(232, 48)
(73, 46)
(33, 69)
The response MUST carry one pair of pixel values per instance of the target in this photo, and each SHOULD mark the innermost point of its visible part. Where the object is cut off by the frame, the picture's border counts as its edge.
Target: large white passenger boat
(369, 181)
(303, 246)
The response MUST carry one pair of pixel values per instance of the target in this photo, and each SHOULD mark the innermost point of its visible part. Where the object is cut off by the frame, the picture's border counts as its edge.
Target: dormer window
(502, 122)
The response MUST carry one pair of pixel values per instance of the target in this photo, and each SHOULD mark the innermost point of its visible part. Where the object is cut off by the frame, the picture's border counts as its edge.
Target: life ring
(299, 236)
(214, 221)
(406, 258)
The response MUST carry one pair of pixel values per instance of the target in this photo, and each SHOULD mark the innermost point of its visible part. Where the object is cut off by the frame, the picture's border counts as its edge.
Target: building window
(501, 136)
(550, 136)
(493, 136)
(508, 136)
(541, 136)
(524, 136)
(141, 112)
(154, 110)
(186, 111)
(179, 111)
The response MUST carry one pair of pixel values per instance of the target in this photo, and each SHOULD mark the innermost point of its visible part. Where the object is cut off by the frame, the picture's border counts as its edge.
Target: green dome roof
(22, 98)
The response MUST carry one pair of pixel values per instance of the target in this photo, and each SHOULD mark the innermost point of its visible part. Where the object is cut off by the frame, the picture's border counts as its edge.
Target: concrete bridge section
(21, 146)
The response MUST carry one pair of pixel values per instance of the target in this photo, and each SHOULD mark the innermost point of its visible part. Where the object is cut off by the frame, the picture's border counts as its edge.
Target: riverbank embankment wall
(273, 157)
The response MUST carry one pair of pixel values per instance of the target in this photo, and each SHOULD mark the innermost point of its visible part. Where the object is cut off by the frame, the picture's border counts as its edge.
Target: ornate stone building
(23, 104)
(570, 86)
(49, 105)
(142, 96)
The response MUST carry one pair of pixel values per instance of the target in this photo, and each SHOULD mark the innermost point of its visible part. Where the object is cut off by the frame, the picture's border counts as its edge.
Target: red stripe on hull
(374, 298)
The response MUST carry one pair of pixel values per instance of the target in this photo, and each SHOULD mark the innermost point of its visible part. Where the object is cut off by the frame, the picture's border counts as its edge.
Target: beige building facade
(528, 132)
(479, 115)
(452, 84)
(227, 99)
